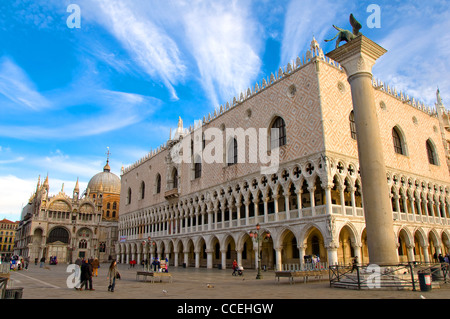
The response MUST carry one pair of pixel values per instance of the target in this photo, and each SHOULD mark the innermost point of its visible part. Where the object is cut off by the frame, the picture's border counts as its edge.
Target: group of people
(160, 265)
(157, 264)
(442, 259)
(237, 270)
(16, 262)
(89, 269)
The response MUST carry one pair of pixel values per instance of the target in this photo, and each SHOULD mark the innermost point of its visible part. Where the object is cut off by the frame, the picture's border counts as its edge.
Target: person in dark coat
(86, 276)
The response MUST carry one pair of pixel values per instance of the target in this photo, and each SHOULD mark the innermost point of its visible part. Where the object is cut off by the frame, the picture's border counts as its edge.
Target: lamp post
(258, 237)
(151, 243)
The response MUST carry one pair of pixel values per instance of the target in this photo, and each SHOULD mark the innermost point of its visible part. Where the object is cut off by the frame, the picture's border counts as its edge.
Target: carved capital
(358, 56)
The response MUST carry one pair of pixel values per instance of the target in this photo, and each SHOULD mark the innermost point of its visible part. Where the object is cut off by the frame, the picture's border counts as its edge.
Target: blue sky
(124, 77)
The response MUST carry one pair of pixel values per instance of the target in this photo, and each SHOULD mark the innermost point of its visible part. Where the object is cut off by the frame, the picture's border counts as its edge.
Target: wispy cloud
(222, 37)
(305, 19)
(148, 44)
(417, 58)
(61, 164)
(17, 87)
(12, 161)
(115, 110)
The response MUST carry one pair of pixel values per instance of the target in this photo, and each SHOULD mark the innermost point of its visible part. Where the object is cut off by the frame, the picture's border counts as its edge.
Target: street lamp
(258, 237)
(151, 243)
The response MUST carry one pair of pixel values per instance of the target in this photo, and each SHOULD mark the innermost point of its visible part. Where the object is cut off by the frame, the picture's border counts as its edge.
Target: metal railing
(3, 283)
(388, 276)
(305, 266)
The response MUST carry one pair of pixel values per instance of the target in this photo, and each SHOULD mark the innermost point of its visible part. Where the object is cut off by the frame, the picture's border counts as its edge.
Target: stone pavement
(193, 284)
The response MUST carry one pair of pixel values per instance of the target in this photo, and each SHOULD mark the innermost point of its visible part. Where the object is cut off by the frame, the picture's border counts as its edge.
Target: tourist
(42, 262)
(113, 273)
(235, 264)
(86, 276)
(95, 266)
(355, 263)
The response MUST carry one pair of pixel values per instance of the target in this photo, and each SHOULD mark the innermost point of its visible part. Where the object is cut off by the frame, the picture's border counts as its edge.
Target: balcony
(170, 194)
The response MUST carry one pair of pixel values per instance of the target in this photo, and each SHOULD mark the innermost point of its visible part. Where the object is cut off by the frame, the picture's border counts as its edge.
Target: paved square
(196, 284)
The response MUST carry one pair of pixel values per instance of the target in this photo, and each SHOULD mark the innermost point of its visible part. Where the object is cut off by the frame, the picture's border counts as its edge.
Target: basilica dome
(105, 182)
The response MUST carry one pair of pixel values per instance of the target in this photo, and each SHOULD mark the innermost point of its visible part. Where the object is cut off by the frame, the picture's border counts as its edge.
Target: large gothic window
(198, 168)
(58, 234)
(82, 244)
(431, 152)
(129, 196)
(232, 155)
(277, 133)
(398, 141)
(142, 190)
(175, 178)
(158, 183)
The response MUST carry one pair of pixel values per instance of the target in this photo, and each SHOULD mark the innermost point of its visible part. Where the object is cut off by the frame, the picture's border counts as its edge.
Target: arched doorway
(289, 253)
(267, 252)
(346, 251)
(403, 241)
(57, 244)
(314, 246)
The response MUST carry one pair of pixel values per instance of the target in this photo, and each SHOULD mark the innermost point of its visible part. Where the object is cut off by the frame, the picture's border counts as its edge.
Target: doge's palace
(196, 199)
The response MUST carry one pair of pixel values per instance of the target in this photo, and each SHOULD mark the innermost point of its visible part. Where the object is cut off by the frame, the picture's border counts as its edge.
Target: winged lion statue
(345, 35)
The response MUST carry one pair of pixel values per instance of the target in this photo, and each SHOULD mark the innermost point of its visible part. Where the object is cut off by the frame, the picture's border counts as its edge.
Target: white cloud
(60, 164)
(417, 58)
(117, 110)
(11, 161)
(305, 19)
(148, 44)
(18, 88)
(222, 38)
(15, 193)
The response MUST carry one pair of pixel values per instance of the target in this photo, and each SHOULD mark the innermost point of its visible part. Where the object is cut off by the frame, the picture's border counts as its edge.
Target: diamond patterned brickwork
(317, 120)
(417, 126)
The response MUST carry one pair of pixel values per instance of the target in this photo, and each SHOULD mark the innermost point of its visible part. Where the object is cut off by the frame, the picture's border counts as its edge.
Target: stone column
(312, 199)
(266, 209)
(278, 258)
(332, 249)
(301, 250)
(410, 252)
(239, 257)
(186, 258)
(328, 201)
(197, 259)
(238, 213)
(299, 200)
(209, 259)
(247, 211)
(286, 205)
(224, 259)
(357, 57)
(275, 206)
(175, 262)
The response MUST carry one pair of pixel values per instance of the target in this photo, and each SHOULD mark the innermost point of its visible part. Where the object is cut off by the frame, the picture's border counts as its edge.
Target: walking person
(235, 265)
(86, 276)
(95, 266)
(113, 274)
(355, 263)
